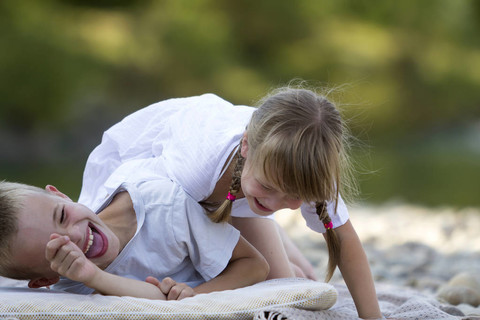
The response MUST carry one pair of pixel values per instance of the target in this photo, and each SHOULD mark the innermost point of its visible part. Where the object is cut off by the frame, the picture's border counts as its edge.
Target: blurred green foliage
(408, 72)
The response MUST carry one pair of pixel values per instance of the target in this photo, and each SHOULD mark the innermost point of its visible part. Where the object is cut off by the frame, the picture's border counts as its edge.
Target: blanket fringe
(270, 315)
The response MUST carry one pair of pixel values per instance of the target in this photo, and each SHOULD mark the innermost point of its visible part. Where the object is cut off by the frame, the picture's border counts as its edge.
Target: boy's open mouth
(96, 243)
(89, 240)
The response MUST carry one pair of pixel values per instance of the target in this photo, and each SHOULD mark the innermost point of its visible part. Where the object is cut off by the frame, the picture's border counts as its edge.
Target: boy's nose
(75, 234)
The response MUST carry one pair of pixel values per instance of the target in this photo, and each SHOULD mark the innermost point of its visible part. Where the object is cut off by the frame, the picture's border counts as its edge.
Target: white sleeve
(210, 245)
(194, 136)
(339, 218)
(197, 140)
(127, 140)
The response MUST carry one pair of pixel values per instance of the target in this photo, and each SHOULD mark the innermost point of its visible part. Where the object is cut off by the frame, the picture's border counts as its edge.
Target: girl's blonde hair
(298, 140)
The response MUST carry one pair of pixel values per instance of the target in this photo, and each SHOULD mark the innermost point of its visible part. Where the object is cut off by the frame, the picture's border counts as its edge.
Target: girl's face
(262, 198)
(45, 214)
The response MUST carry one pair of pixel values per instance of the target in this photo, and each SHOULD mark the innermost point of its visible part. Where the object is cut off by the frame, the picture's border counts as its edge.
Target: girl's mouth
(261, 206)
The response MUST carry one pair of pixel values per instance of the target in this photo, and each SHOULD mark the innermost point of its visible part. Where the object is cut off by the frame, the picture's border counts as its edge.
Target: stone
(458, 294)
(467, 280)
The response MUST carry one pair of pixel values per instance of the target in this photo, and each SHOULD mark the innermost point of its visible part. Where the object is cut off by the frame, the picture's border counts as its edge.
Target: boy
(147, 226)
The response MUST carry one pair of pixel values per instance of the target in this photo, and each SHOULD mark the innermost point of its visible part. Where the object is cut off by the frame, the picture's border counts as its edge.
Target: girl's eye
(265, 187)
(62, 216)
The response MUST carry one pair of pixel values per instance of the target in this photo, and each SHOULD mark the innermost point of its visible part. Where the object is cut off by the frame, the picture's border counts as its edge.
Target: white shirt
(192, 139)
(174, 238)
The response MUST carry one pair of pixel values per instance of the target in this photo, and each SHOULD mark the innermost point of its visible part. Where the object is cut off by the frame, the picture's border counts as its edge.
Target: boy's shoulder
(157, 190)
(147, 176)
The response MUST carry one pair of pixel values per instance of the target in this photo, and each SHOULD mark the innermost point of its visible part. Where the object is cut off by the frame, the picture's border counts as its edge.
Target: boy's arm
(69, 261)
(111, 284)
(246, 267)
(356, 272)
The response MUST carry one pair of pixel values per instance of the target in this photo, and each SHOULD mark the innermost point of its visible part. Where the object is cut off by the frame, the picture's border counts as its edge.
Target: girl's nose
(293, 203)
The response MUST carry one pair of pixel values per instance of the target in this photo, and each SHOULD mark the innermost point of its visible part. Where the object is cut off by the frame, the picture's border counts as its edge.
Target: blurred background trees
(409, 74)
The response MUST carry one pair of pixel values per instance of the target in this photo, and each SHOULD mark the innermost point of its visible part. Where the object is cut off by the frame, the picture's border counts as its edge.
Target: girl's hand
(171, 289)
(68, 260)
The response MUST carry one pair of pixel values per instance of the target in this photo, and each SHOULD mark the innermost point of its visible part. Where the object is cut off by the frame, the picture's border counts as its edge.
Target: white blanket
(395, 303)
(243, 303)
(280, 299)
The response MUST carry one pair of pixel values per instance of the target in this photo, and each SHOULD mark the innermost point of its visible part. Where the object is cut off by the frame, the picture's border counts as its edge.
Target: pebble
(463, 288)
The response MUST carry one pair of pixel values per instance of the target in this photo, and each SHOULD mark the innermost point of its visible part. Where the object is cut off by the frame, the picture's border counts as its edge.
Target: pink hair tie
(231, 197)
(328, 225)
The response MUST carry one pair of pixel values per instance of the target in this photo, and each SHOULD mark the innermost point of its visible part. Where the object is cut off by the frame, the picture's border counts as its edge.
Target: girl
(243, 164)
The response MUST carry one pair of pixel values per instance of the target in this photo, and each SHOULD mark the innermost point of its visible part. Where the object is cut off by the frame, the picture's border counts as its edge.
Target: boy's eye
(62, 216)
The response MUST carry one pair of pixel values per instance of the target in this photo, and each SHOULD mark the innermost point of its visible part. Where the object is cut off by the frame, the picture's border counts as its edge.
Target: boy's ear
(42, 282)
(244, 149)
(55, 191)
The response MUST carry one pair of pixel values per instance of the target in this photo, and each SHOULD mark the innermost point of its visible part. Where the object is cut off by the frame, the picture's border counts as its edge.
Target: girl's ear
(244, 149)
(55, 191)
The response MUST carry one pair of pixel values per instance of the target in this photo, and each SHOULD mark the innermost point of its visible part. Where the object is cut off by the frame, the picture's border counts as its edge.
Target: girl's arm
(356, 272)
(246, 267)
(302, 267)
(264, 235)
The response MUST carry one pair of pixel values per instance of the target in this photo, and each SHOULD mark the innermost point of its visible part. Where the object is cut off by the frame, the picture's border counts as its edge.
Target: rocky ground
(421, 248)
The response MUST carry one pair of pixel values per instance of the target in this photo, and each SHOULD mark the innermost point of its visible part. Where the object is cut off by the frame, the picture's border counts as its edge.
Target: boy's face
(44, 214)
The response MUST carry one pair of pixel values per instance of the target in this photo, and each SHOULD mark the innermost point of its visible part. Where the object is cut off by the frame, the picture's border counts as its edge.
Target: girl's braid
(321, 208)
(331, 238)
(237, 173)
(222, 214)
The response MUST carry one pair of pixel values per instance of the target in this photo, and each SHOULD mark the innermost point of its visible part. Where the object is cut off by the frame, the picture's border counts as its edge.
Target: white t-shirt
(193, 137)
(174, 238)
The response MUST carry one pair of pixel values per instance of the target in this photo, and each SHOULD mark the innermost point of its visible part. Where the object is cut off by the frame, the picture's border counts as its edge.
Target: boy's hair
(12, 196)
(297, 139)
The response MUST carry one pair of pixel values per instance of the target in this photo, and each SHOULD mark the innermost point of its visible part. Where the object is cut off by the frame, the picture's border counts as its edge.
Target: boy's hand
(68, 260)
(171, 289)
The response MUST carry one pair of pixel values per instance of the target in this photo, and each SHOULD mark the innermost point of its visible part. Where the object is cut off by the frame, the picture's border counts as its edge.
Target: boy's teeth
(90, 240)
